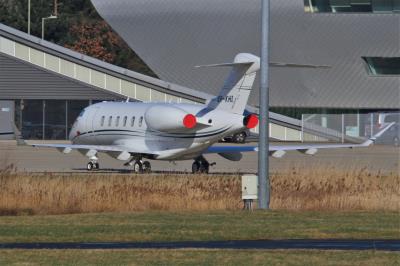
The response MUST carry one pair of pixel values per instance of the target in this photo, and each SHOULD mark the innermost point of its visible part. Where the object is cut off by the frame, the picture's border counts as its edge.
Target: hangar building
(44, 87)
(360, 40)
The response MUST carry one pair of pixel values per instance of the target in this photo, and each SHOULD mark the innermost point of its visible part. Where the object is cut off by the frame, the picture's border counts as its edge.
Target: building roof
(173, 36)
(102, 66)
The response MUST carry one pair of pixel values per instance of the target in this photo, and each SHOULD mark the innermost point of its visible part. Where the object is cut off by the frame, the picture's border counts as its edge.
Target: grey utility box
(249, 187)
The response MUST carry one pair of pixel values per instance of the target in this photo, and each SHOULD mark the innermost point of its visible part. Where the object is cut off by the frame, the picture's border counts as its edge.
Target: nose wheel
(92, 166)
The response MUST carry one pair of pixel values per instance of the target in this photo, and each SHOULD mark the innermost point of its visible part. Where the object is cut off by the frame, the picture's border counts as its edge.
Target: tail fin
(235, 93)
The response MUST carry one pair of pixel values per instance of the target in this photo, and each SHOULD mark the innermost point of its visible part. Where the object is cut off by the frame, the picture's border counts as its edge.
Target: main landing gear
(201, 165)
(139, 166)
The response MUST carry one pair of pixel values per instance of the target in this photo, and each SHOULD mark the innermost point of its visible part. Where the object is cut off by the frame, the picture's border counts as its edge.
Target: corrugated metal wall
(22, 80)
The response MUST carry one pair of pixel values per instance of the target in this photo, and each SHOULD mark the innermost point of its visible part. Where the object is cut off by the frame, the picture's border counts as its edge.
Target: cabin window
(117, 121)
(125, 120)
(109, 121)
(133, 121)
(102, 120)
(141, 121)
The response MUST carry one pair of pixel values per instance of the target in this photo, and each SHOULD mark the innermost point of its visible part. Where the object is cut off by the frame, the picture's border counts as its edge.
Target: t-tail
(235, 93)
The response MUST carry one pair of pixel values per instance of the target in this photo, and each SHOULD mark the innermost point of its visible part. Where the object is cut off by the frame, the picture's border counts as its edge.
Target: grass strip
(195, 226)
(196, 257)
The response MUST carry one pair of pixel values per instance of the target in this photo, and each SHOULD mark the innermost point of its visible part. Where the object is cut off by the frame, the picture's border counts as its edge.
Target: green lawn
(196, 257)
(167, 226)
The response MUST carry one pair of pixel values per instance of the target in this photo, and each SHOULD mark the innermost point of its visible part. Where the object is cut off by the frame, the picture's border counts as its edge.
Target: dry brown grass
(300, 189)
(334, 189)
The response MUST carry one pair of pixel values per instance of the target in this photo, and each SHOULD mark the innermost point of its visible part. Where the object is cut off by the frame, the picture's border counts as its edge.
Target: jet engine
(250, 121)
(169, 119)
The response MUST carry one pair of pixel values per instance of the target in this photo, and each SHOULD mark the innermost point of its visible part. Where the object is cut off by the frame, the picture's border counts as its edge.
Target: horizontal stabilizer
(294, 65)
(227, 64)
(272, 64)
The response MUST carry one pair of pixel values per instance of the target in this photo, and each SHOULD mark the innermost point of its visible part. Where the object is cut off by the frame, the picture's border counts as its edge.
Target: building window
(133, 121)
(102, 120)
(32, 119)
(381, 66)
(55, 119)
(125, 119)
(109, 121)
(352, 6)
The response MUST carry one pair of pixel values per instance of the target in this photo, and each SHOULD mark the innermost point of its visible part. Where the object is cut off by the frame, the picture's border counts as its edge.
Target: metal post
(44, 119)
(263, 153)
(66, 119)
(43, 28)
(343, 128)
(29, 17)
(43, 20)
(55, 8)
(372, 124)
(302, 128)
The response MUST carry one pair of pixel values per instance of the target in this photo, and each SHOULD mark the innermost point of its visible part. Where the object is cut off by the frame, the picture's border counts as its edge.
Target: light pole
(29, 17)
(263, 149)
(43, 20)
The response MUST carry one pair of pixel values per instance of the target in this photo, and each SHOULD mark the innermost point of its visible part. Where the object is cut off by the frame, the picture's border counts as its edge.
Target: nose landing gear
(93, 165)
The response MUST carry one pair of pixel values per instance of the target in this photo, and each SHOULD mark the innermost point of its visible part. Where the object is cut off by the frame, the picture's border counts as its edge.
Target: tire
(396, 142)
(195, 167)
(97, 166)
(146, 167)
(138, 167)
(90, 166)
(239, 137)
(204, 169)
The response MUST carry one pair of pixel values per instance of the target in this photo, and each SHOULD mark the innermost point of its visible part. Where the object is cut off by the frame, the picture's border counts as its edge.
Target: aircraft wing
(82, 147)
(121, 152)
(279, 150)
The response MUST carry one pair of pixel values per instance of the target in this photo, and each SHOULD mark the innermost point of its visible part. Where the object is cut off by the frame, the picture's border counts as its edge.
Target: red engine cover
(189, 121)
(250, 121)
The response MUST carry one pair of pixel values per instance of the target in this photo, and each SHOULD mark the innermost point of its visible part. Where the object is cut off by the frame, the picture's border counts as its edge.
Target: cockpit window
(81, 114)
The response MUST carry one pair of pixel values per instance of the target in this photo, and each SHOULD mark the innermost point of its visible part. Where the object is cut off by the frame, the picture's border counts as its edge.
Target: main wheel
(138, 167)
(146, 166)
(204, 169)
(196, 167)
(97, 166)
(90, 166)
(239, 137)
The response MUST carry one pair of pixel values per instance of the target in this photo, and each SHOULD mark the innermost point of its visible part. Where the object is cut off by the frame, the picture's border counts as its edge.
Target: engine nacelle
(250, 121)
(169, 119)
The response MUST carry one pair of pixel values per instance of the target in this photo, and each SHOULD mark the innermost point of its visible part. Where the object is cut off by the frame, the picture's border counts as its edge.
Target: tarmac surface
(378, 158)
(324, 244)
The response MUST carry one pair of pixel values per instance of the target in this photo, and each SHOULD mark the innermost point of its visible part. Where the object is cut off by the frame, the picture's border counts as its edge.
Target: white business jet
(133, 131)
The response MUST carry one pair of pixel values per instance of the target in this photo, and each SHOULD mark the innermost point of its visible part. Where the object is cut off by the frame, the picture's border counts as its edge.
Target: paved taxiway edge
(324, 244)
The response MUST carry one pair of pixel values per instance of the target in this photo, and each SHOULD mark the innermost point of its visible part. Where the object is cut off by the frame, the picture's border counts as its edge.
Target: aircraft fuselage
(129, 124)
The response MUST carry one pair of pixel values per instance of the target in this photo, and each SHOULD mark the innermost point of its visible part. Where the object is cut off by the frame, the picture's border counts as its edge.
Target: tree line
(78, 27)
